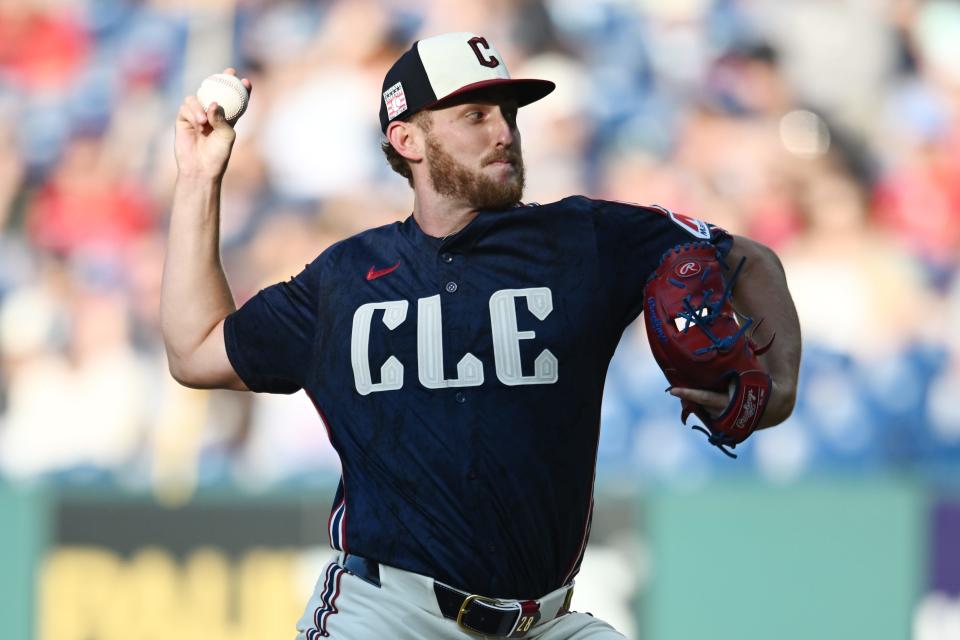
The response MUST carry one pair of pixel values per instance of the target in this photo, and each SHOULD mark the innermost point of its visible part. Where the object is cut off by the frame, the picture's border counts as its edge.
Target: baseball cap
(437, 69)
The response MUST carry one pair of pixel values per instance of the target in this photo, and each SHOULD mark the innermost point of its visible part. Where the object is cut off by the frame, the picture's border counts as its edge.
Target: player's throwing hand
(204, 139)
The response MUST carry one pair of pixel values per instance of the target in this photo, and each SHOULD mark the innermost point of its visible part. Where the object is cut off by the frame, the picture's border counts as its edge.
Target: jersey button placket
(450, 272)
(447, 258)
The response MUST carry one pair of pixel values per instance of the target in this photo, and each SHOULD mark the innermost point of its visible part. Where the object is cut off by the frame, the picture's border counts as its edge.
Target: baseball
(227, 91)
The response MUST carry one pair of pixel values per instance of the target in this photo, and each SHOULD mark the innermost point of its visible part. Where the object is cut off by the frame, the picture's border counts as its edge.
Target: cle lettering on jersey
(506, 339)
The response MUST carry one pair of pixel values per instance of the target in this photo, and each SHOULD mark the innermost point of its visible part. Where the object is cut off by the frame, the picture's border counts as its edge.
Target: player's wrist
(199, 178)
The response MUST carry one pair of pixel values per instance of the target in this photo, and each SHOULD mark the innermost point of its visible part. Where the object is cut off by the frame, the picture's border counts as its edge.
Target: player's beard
(452, 179)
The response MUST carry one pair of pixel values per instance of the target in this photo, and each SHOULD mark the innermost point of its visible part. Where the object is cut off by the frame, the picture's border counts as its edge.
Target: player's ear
(407, 138)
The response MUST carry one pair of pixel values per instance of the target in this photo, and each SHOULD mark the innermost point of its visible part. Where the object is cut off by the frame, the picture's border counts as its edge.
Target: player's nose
(504, 128)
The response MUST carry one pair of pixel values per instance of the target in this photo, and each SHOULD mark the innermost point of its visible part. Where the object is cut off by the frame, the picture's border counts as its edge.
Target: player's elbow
(184, 369)
(180, 371)
(204, 369)
(179, 354)
(203, 365)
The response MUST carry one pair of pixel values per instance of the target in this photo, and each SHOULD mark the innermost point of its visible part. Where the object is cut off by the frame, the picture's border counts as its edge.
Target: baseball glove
(699, 343)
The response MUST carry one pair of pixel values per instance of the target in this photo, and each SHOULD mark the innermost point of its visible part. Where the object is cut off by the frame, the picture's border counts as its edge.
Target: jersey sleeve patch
(693, 226)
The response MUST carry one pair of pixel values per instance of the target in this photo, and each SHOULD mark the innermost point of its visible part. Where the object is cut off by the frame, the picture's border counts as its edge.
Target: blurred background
(828, 129)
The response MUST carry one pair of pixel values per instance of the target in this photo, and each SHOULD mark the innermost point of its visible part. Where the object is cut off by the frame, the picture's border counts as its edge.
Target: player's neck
(440, 217)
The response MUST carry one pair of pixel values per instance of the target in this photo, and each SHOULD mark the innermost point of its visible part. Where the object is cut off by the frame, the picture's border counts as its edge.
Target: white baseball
(227, 91)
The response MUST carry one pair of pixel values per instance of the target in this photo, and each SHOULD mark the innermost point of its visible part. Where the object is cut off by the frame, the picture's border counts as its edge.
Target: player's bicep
(208, 367)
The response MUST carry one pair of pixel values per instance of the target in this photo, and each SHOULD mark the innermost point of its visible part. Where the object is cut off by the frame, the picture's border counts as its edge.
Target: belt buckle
(466, 605)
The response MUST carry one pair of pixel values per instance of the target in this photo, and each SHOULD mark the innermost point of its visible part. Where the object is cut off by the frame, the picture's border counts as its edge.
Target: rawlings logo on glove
(698, 342)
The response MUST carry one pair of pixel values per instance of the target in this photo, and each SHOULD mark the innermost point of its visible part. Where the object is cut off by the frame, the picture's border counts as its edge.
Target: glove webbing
(695, 316)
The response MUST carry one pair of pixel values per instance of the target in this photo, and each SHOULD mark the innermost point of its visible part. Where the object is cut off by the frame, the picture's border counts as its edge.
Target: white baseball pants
(404, 607)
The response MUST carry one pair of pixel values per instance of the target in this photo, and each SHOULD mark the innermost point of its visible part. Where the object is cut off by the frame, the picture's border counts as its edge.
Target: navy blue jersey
(460, 380)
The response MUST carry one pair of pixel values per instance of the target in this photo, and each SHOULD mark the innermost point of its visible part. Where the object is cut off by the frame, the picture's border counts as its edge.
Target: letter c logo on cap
(485, 59)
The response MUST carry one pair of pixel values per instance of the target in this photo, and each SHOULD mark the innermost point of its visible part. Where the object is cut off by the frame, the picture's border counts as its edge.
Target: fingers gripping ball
(698, 342)
(227, 91)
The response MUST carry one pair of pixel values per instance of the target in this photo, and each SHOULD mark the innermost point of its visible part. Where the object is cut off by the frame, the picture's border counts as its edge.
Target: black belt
(366, 570)
(485, 616)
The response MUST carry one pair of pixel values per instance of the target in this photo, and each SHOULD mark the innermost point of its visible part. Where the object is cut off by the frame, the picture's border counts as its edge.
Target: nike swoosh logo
(375, 273)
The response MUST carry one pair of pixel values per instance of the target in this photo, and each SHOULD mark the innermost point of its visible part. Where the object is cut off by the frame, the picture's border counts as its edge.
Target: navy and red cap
(437, 69)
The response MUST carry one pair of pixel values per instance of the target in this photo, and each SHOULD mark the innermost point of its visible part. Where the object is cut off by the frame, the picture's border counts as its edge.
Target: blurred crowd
(827, 129)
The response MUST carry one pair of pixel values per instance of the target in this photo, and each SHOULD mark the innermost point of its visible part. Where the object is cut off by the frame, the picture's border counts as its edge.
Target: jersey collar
(464, 237)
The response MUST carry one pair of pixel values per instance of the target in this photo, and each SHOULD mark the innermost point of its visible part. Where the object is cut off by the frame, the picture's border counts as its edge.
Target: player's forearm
(195, 295)
(762, 294)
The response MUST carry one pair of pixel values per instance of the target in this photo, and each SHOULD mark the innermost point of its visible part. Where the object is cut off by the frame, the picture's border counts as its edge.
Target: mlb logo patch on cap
(395, 100)
(442, 67)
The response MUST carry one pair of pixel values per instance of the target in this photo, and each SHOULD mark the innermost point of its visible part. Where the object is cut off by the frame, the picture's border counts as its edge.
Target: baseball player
(457, 358)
